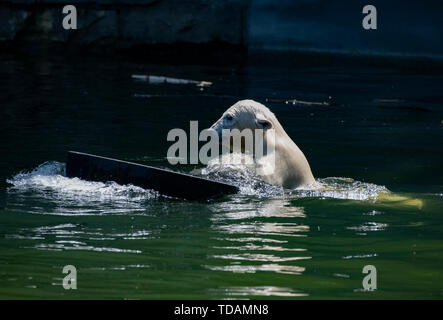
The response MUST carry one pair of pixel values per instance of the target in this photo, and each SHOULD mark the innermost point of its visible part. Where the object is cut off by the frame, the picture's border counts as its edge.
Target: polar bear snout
(218, 128)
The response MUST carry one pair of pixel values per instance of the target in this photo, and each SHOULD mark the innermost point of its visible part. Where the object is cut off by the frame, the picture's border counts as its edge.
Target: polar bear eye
(229, 117)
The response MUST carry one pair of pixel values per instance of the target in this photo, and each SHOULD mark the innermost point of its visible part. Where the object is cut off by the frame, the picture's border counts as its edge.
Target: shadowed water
(373, 139)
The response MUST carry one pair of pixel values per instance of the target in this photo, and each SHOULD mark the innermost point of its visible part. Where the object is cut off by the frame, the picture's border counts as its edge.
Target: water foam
(239, 170)
(342, 188)
(48, 183)
(243, 176)
(46, 189)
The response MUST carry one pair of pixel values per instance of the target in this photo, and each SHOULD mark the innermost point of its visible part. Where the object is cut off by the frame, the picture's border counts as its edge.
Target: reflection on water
(257, 257)
(265, 228)
(370, 226)
(256, 227)
(258, 231)
(76, 237)
(265, 291)
(122, 267)
(77, 246)
(277, 268)
(254, 232)
(361, 256)
(247, 208)
(253, 247)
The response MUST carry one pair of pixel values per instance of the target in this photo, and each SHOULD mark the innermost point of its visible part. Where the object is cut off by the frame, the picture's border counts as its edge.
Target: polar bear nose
(217, 127)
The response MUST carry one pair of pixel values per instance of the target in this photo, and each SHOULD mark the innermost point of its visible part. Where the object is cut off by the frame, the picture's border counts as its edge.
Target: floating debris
(303, 103)
(307, 103)
(388, 100)
(161, 80)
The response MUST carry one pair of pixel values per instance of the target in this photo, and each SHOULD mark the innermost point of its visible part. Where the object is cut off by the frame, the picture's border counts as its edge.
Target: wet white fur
(291, 168)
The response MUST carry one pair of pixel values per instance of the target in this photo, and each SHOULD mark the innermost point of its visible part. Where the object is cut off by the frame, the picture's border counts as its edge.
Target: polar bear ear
(263, 123)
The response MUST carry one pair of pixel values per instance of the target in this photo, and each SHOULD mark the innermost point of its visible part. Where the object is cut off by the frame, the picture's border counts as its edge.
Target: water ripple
(277, 268)
(263, 291)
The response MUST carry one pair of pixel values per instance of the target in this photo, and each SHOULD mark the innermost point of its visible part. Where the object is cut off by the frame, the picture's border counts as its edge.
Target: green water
(380, 127)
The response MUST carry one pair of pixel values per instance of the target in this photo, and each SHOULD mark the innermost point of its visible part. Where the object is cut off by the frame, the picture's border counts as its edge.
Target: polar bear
(291, 169)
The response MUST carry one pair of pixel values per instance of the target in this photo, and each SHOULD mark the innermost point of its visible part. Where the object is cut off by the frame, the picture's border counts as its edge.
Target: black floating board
(166, 182)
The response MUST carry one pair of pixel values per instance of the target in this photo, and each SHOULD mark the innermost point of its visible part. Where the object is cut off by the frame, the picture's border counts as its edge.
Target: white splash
(342, 188)
(47, 183)
(242, 174)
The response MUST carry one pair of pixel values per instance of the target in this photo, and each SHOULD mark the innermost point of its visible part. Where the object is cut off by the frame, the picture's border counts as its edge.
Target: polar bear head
(247, 118)
(279, 160)
(245, 114)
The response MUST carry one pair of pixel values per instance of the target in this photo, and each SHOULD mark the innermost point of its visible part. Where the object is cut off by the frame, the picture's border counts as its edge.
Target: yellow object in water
(391, 199)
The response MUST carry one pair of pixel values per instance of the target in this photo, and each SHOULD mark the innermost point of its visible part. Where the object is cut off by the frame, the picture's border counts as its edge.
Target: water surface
(364, 132)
